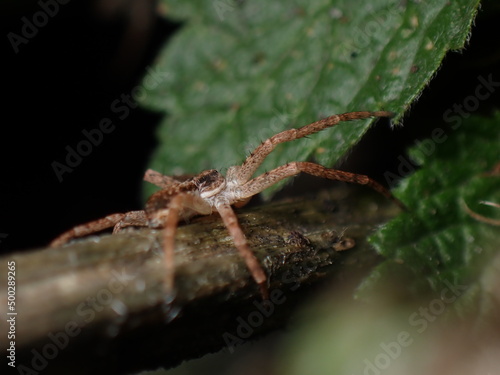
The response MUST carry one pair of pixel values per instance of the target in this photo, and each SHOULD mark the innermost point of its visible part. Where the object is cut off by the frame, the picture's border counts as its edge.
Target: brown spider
(211, 192)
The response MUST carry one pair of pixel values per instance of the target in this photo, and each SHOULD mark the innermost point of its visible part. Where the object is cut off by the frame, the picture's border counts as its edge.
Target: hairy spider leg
(270, 178)
(132, 219)
(480, 217)
(231, 222)
(171, 219)
(160, 180)
(256, 158)
(118, 221)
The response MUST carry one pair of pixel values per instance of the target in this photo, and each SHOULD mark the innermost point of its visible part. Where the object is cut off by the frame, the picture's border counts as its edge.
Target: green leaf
(239, 72)
(439, 240)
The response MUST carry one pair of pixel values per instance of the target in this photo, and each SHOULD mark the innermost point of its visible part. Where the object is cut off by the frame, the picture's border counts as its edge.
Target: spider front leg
(231, 222)
(164, 211)
(118, 221)
(168, 219)
(158, 179)
(252, 163)
(270, 178)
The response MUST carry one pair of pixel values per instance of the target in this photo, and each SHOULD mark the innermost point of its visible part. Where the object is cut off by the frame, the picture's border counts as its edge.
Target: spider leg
(158, 179)
(231, 222)
(176, 207)
(252, 163)
(268, 179)
(480, 217)
(168, 219)
(132, 219)
(118, 221)
(87, 228)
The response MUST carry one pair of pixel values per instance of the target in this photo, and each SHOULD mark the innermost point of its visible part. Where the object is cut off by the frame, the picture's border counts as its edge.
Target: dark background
(64, 79)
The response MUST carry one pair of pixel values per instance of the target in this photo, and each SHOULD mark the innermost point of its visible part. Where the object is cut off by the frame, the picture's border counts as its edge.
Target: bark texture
(99, 305)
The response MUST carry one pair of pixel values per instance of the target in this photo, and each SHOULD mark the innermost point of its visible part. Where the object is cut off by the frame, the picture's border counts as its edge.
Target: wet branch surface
(99, 305)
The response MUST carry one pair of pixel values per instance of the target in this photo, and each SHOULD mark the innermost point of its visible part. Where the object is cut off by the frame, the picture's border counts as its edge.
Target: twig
(99, 304)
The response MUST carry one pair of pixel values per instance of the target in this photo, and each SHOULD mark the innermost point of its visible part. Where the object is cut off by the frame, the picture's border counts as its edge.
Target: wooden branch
(99, 304)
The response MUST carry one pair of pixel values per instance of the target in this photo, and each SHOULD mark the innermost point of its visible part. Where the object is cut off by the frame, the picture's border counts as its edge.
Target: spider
(211, 192)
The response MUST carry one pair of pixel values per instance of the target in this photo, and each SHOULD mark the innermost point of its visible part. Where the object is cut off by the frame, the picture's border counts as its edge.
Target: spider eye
(209, 183)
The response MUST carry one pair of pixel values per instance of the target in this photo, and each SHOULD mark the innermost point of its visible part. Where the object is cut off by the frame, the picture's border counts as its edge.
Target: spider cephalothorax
(209, 192)
(210, 183)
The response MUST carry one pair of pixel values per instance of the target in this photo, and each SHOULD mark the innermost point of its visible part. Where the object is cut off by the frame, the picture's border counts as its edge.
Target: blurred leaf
(439, 240)
(347, 338)
(333, 335)
(239, 72)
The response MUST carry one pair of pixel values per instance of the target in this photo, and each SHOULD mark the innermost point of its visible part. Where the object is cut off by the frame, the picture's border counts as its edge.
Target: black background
(66, 77)
(62, 81)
